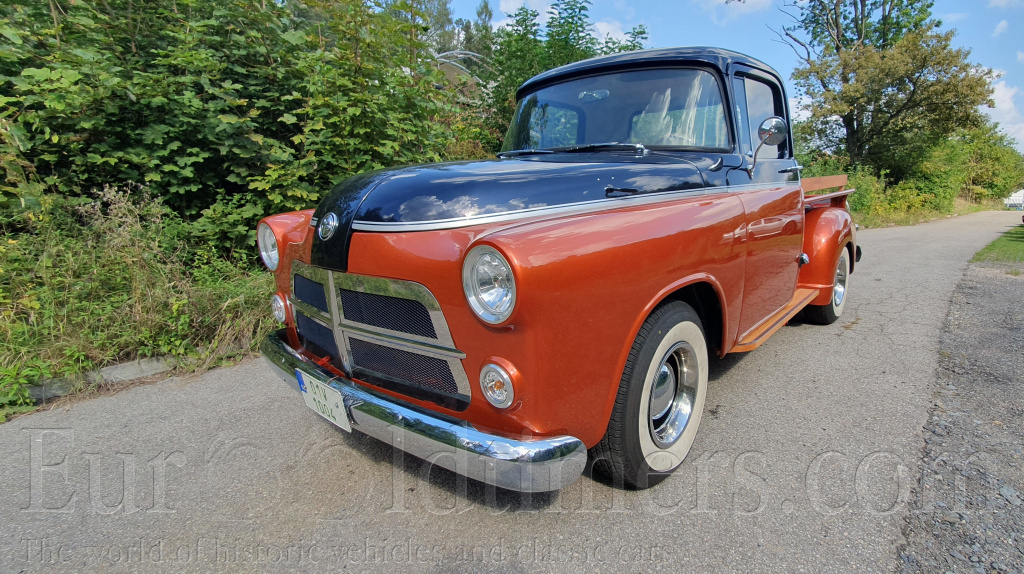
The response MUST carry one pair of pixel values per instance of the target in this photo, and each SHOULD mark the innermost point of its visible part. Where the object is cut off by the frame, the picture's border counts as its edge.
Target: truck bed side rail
(834, 199)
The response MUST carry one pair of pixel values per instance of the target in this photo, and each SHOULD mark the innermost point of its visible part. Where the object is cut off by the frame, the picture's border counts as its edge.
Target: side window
(552, 126)
(763, 102)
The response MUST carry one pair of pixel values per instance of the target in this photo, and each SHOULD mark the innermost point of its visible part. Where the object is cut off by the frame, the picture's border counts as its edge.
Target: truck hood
(462, 193)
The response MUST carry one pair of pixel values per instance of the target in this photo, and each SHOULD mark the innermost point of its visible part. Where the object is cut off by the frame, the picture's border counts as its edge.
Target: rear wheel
(827, 314)
(660, 400)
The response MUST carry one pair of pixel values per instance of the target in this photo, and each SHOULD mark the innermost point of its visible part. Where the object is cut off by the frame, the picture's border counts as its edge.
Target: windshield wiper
(636, 147)
(519, 152)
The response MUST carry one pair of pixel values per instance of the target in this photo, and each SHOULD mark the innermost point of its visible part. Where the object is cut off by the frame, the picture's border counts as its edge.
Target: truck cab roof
(663, 57)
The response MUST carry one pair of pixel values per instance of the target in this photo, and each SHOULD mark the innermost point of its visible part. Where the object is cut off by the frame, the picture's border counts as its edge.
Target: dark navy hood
(463, 190)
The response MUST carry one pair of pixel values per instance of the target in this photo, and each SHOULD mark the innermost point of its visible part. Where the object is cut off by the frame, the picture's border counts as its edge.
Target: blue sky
(992, 29)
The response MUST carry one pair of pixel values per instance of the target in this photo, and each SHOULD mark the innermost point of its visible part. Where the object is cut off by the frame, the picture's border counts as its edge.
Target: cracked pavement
(805, 461)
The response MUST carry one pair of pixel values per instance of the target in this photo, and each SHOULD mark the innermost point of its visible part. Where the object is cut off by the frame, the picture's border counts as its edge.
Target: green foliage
(835, 26)
(478, 35)
(886, 108)
(976, 165)
(93, 281)
(227, 110)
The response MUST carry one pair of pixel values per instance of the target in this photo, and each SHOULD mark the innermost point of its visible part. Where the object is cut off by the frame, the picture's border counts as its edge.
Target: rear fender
(826, 231)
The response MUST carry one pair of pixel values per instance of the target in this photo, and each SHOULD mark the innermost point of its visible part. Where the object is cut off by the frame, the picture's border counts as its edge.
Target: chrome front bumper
(516, 463)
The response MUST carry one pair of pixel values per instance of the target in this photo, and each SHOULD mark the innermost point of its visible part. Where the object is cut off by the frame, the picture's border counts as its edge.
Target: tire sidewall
(844, 258)
(678, 324)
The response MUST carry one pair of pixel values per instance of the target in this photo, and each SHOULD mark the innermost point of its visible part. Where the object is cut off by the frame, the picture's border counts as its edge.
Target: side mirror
(773, 131)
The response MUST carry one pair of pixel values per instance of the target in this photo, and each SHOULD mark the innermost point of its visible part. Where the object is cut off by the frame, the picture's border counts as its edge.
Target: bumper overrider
(516, 463)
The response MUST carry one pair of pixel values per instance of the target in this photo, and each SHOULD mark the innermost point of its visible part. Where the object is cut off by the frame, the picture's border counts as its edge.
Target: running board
(759, 335)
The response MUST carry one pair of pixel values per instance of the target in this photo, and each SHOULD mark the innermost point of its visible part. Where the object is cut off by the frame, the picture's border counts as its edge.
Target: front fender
(826, 231)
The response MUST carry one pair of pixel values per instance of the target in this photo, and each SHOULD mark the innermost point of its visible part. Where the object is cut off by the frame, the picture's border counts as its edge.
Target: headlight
(268, 246)
(489, 285)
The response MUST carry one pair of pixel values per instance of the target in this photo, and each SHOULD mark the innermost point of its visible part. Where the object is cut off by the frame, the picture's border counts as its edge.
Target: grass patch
(112, 279)
(1008, 248)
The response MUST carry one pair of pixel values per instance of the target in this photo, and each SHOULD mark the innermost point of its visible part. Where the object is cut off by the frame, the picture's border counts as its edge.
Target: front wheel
(827, 314)
(660, 400)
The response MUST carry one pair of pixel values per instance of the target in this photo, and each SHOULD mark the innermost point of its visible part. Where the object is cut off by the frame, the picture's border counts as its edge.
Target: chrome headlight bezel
(279, 308)
(492, 314)
(267, 242)
(496, 385)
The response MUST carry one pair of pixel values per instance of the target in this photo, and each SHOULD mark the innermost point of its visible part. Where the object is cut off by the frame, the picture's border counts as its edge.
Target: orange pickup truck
(507, 318)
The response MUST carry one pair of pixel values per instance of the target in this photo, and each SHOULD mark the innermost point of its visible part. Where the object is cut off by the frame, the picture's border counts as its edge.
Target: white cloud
(610, 29)
(1020, 57)
(625, 9)
(722, 11)
(510, 6)
(1002, 3)
(800, 108)
(1001, 27)
(1005, 112)
(955, 17)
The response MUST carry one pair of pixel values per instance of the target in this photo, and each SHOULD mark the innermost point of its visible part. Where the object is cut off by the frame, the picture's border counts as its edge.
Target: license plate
(324, 400)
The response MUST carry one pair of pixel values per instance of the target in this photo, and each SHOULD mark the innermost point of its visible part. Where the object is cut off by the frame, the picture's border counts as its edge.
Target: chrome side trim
(525, 464)
(557, 210)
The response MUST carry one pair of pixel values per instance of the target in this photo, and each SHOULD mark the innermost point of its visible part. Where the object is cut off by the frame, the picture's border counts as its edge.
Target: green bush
(98, 280)
(227, 110)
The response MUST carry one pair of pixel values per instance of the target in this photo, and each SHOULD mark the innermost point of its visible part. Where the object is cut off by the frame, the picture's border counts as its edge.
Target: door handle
(793, 169)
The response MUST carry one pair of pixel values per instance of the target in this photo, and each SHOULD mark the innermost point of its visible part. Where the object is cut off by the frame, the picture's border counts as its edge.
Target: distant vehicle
(499, 318)
(1015, 201)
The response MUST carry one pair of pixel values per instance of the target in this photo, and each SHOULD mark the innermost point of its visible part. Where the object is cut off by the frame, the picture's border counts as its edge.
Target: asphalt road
(804, 462)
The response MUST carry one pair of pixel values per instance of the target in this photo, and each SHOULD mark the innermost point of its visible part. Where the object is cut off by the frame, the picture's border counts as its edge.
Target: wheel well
(704, 300)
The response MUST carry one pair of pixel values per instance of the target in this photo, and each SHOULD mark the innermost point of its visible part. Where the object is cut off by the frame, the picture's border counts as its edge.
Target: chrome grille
(385, 332)
(393, 313)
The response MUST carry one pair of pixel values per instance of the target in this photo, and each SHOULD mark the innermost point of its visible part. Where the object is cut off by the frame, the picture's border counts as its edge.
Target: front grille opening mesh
(310, 292)
(392, 313)
(321, 337)
(421, 370)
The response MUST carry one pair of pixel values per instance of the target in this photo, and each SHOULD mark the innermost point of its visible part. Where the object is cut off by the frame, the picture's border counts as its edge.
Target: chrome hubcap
(673, 392)
(839, 289)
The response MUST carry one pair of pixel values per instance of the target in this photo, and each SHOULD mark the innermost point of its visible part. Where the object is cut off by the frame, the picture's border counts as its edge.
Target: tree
(884, 84)
(478, 35)
(634, 41)
(568, 33)
(518, 53)
(442, 32)
(976, 165)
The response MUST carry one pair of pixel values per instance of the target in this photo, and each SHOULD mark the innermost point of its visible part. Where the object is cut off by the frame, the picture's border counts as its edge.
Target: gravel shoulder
(967, 511)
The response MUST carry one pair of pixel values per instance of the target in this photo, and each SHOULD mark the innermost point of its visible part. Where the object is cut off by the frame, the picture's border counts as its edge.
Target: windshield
(666, 107)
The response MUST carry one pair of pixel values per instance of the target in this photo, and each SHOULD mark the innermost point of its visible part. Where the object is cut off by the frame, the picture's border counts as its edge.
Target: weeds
(94, 282)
